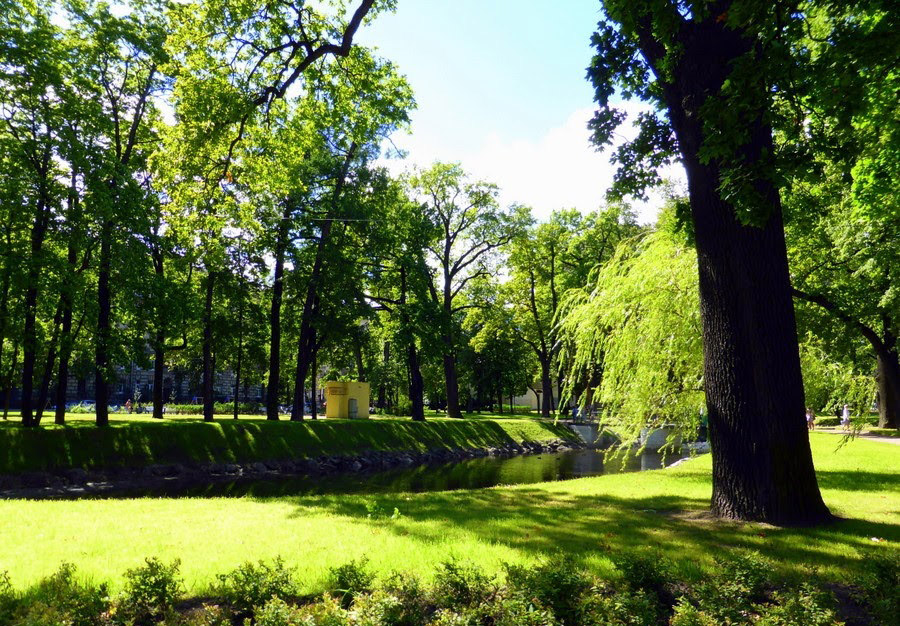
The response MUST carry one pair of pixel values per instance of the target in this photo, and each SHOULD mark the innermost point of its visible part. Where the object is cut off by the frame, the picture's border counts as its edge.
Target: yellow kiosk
(347, 400)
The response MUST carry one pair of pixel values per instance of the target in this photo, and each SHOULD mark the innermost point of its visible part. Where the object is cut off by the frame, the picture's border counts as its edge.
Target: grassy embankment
(139, 440)
(662, 511)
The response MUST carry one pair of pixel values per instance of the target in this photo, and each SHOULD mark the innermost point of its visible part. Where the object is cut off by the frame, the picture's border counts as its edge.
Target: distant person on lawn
(845, 417)
(128, 405)
(810, 419)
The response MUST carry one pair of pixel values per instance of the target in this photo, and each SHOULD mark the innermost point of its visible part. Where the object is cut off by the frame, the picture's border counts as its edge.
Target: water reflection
(468, 474)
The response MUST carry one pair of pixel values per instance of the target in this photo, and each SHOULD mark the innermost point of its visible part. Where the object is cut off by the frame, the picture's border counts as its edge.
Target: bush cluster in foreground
(556, 592)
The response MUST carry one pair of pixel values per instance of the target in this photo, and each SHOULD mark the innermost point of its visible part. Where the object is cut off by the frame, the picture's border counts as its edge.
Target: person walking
(845, 418)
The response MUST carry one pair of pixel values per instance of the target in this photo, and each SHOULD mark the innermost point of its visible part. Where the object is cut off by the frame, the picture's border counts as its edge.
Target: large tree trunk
(104, 304)
(762, 463)
(888, 390)
(208, 373)
(272, 389)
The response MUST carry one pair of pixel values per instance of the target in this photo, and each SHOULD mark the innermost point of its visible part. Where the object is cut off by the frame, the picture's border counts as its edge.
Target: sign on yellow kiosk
(347, 400)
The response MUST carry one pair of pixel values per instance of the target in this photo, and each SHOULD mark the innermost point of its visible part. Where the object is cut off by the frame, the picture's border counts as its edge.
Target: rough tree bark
(762, 463)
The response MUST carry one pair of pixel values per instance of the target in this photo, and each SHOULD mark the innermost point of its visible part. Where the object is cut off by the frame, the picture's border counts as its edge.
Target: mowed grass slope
(139, 440)
(662, 511)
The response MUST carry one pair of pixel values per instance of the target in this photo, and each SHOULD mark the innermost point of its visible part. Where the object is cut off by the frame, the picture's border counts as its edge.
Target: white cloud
(561, 169)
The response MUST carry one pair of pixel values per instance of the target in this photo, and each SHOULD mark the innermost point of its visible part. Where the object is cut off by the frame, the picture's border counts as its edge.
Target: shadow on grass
(537, 522)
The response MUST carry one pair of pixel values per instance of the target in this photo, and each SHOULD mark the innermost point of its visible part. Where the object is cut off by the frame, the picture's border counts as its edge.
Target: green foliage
(253, 585)
(639, 323)
(62, 599)
(880, 587)
(150, 590)
(620, 607)
(558, 584)
(648, 572)
(404, 602)
(350, 580)
(458, 585)
(804, 605)
(277, 612)
(8, 598)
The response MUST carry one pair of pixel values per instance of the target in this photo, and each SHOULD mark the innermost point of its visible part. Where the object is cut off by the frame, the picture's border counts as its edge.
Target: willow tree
(639, 323)
(711, 72)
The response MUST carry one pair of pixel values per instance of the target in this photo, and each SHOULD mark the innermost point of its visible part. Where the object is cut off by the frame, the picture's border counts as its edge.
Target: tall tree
(709, 69)
(469, 227)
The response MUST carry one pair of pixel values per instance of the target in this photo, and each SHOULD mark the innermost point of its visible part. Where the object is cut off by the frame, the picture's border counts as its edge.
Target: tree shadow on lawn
(537, 522)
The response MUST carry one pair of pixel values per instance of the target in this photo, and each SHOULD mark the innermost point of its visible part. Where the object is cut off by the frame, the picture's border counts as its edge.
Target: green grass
(137, 440)
(661, 511)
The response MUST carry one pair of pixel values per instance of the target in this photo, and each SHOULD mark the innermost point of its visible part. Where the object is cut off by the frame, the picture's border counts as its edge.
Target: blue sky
(501, 87)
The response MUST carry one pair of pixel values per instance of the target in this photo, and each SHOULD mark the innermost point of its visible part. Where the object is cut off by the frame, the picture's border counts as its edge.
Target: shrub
(557, 584)
(414, 600)
(150, 591)
(806, 605)
(207, 615)
(277, 612)
(61, 599)
(8, 598)
(627, 607)
(350, 579)
(642, 571)
(498, 611)
(734, 591)
(327, 612)
(881, 586)
(459, 586)
(686, 614)
(249, 586)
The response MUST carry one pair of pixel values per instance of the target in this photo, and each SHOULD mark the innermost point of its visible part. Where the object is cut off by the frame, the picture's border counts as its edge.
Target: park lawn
(138, 440)
(662, 511)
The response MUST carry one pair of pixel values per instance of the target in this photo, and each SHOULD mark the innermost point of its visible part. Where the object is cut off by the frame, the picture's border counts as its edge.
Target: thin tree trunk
(104, 304)
(416, 383)
(9, 379)
(272, 389)
(452, 384)
(306, 342)
(29, 354)
(237, 367)
(314, 372)
(546, 388)
(47, 376)
(208, 373)
(500, 400)
(381, 402)
(360, 368)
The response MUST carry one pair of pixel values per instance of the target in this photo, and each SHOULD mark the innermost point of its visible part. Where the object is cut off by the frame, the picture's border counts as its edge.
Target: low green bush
(252, 585)
(555, 592)
(350, 579)
(150, 592)
(460, 585)
(61, 599)
(558, 584)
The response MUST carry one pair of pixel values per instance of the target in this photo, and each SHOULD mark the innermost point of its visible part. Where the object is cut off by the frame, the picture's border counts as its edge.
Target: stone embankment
(76, 482)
